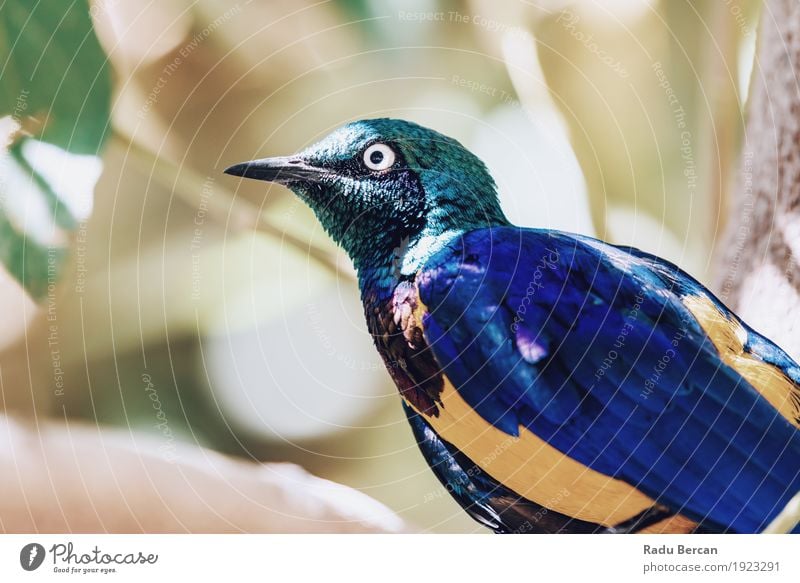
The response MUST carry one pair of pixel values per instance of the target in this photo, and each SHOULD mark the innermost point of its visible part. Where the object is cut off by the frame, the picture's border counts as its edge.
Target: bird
(553, 382)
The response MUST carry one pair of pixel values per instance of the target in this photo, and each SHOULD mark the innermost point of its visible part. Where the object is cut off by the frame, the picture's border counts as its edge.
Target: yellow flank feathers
(729, 338)
(534, 469)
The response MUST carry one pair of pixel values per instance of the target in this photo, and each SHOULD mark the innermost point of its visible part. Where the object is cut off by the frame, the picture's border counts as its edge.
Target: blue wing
(595, 350)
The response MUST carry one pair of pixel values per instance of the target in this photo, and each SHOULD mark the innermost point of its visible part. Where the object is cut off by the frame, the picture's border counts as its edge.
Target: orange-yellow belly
(536, 470)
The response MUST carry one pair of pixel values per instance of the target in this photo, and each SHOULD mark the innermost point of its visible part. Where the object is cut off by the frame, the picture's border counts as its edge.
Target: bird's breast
(393, 320)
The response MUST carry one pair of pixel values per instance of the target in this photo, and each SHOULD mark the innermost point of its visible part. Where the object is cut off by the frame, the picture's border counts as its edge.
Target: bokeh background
(188, 304)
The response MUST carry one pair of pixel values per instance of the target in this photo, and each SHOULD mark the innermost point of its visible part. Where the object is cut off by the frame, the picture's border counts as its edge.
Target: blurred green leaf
(55, 96)
(55, 61)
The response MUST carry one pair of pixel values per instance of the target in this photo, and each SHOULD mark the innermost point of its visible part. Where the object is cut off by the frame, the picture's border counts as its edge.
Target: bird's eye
(378, 157)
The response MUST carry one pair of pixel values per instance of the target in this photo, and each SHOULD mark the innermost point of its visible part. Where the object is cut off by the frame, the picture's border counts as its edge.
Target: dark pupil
(376, 157)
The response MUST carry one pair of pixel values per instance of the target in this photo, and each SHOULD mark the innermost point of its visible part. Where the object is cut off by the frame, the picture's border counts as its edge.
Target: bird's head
(376, 185)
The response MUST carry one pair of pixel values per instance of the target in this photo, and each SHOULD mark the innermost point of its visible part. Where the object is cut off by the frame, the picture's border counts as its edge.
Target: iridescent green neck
(447, 216)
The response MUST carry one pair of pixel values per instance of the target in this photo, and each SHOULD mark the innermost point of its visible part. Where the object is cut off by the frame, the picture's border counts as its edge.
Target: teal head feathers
(382, 184)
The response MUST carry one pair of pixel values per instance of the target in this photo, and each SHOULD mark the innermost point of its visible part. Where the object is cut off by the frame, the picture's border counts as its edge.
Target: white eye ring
(378, 157)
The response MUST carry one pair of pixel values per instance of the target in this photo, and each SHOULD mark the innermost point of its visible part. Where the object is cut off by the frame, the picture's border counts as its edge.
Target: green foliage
(55, 88)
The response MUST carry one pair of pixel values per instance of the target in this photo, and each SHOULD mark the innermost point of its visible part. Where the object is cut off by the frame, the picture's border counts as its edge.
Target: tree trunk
(758, 271)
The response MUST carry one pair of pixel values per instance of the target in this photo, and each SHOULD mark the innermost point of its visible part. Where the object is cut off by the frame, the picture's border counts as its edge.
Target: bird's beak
(281, 170)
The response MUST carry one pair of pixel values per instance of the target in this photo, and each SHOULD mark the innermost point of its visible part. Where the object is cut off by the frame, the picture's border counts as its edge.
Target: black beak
(281, 170)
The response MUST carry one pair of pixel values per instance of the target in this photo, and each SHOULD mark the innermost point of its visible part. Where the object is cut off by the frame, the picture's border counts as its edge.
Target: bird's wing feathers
(764, 364)
(609, 357)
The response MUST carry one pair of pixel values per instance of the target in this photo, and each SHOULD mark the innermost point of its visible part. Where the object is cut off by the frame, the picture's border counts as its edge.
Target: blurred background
(144, 289)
